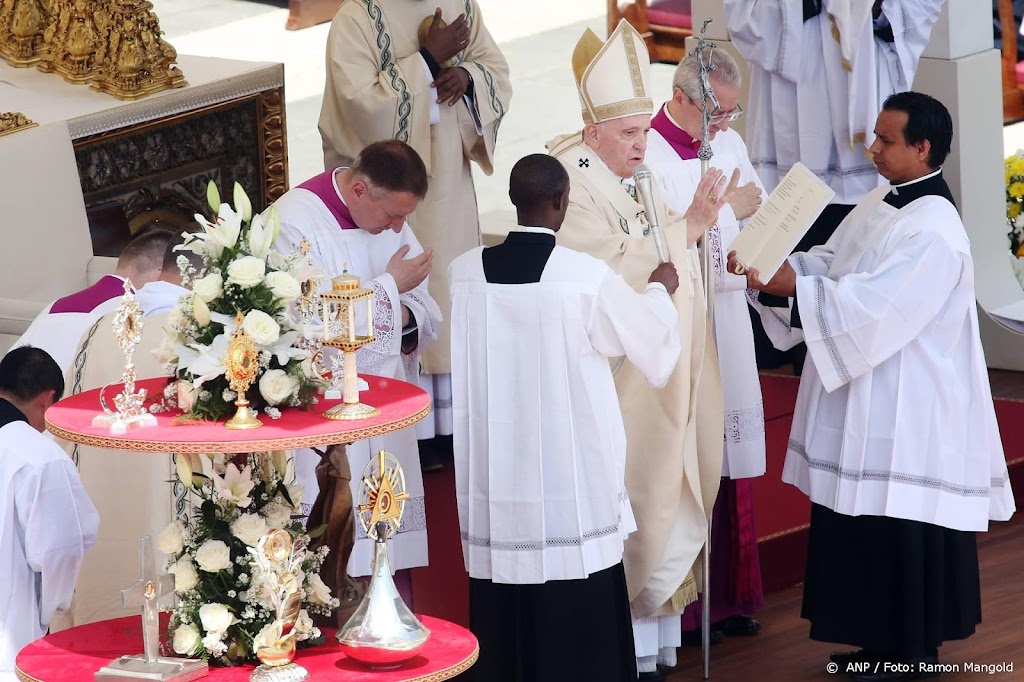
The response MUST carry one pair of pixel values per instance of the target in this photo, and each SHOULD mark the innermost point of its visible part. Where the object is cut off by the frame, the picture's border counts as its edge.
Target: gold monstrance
(339, 320)
(240, 365)
(129, 403)
(383, 633)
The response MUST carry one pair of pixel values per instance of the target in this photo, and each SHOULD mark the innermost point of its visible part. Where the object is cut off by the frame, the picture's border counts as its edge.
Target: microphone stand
(707, 95)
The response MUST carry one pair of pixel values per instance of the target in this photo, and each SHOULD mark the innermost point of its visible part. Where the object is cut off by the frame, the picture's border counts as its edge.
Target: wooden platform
(783, 652)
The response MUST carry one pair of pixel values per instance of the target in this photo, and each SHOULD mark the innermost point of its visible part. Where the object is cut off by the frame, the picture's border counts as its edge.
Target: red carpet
(782, 511)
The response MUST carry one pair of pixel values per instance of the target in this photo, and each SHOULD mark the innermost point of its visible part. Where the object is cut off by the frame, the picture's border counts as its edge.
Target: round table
(401, 404)
(74, 655)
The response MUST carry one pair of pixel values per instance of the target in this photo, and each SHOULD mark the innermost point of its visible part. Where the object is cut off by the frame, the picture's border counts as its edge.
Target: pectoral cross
(147, 593)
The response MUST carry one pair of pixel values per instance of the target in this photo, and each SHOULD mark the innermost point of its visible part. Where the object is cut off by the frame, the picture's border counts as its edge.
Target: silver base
(161, 670)
(282, 673)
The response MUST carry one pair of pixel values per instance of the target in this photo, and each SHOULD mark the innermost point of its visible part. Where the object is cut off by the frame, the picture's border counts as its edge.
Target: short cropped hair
(536, 179)
(146, 251)
(391, 166)
(27, 371)
(724, 71)
(927, 119)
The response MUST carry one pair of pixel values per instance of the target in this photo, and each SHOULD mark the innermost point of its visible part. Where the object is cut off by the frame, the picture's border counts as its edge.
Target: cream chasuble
(47, 524)
(673, 434)
(304, 216)
(378, 87)
(734, 340)
(894, 415)
(131, 490)
(816, 86)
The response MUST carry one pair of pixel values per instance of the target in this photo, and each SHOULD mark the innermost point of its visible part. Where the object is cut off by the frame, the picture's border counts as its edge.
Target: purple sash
(323, 186)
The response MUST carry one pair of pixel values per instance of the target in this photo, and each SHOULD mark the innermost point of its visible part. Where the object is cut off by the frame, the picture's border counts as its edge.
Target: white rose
(319, 593)
(263, 329)
(186, 640)
(172, 539)
(247, 271)
(303, 626)
(185, 576)
(277, 515)
(249, 528)
(187, 395)
(216, 618)
(209, 288)
(213, 556)
(276, 385)
(283, 286)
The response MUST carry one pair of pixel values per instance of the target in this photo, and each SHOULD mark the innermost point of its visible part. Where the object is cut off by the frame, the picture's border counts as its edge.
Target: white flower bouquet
(242, 279)
(226, 597)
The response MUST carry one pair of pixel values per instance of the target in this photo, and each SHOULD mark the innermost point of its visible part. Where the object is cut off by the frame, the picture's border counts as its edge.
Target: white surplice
(159, 297)
(894, 416)
(304, 216)
(744, 452)
(47, 524)
(809, 103)
(540, 447)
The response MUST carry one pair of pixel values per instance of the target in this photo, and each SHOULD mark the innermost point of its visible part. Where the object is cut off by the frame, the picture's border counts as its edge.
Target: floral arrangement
(1014, 168)
(228, 592)
(242, 280)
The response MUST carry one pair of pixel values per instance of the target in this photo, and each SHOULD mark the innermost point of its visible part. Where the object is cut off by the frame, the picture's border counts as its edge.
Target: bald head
(539, 189)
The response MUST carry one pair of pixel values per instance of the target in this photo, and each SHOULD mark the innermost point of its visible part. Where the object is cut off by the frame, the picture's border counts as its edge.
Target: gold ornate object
(22, 23)
(383, 633)
(130, 412)
(241, 363)
(12, 122)
(75, 39)
(340, 331)
(421, 35)
(277, 564)
(138, 62)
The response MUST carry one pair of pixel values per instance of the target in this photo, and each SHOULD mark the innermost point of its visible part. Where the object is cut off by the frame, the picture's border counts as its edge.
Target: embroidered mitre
(613, 77)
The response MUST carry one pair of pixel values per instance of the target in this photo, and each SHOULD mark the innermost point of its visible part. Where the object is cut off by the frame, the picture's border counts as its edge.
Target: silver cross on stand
(147, 593)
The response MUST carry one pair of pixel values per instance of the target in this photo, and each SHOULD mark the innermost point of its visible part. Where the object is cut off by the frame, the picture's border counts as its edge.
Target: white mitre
(613, 77)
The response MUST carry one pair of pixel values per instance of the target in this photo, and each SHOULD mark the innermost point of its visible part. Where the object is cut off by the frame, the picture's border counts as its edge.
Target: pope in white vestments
(540, 448)
(674, 434)
(443, 87)
(672, 147)
(894, 436)
(353, 219)
(47, 522)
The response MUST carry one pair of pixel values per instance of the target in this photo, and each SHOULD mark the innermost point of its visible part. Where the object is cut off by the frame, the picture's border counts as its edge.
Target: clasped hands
(443, 43)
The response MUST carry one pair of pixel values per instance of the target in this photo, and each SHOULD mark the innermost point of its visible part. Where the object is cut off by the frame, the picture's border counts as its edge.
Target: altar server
(61, 324)
(116, 479)
(540, 454)
(674, 435)
(47, 522)
(429, 74)
(672, 149)
(354, 219)
(894, 436)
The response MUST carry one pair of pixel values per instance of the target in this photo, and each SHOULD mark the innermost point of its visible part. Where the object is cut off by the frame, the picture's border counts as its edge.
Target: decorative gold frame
(13, 121)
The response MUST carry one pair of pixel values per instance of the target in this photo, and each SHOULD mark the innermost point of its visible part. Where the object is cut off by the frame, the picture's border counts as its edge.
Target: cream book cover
(783, 219)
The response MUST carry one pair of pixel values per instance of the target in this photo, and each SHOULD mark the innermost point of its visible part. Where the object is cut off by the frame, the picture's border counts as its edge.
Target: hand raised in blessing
(409, 273)
(708, 200)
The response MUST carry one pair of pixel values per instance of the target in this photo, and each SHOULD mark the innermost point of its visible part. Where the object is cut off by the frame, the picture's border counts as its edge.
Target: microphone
(644, 180)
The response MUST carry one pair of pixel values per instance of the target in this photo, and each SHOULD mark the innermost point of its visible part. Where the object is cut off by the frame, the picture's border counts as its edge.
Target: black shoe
(653, 676)
(738, 626)
(843, 658)
(692, 637)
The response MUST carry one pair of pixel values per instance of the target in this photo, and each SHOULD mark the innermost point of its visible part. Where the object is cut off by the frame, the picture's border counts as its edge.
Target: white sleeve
(854, 324)
(768, 33)
(643, 327)
(60, 525)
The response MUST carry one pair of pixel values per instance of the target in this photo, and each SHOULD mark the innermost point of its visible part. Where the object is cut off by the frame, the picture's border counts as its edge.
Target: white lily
(220, 234)
(242, 203)
(283, 349)
(205, 362)
(212, 195)
(235, 485)
(274, 223)
(261, 237)
(200, 310)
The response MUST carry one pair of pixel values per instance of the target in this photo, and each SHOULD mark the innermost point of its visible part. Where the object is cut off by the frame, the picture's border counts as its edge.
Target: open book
(783, 219)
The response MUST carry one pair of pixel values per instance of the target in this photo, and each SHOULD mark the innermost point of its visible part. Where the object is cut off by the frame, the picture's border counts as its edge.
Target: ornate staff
(707, 97)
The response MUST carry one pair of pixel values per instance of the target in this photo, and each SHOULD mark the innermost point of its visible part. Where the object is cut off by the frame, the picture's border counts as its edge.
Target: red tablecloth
(76, 654)
(401, 404)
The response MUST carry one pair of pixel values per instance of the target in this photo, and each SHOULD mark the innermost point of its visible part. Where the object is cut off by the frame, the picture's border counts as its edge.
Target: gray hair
(725, 72)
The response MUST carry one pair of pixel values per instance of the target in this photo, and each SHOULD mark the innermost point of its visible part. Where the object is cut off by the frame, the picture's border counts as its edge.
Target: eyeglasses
(731, 116)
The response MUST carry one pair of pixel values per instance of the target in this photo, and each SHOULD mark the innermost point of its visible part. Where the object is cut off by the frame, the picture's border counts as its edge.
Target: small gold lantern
(338, 314)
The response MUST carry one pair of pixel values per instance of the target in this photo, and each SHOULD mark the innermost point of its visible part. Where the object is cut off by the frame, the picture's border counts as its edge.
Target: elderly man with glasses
(672, 153)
